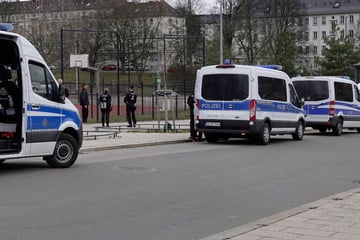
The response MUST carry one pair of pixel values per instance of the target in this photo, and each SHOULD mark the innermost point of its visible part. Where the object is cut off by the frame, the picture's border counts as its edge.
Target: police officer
(130, 101)
(105, 106)
(84, 102)
(191, 102)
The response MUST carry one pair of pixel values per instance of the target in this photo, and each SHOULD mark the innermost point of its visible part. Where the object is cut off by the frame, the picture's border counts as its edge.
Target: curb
(247, 228)
(134, 145)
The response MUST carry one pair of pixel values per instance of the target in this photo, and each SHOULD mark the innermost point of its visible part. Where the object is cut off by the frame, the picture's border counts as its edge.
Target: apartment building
(321, 18)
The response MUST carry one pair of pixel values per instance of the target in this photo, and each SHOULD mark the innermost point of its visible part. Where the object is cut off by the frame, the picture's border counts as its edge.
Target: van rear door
(225, 100)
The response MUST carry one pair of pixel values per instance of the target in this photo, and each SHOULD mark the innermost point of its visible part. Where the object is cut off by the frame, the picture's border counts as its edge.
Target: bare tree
(249, 34)
(280, 32)
(137, 25)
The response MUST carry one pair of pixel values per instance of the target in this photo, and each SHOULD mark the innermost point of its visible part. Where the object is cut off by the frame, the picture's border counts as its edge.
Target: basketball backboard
(79, 60)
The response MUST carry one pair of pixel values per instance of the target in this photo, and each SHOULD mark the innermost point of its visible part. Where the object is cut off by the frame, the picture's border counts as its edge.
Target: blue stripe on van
(48, 117)
(223, 105)
(324, 108)
(261, 105)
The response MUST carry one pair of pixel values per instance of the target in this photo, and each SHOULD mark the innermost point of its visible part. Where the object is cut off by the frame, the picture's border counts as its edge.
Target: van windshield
(225, 87)
(312, 90)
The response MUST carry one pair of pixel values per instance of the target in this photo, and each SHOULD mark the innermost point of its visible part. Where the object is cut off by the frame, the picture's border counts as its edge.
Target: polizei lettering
(211, 106)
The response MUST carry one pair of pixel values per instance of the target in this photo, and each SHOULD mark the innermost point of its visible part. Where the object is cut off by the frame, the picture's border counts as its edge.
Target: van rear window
(312, 90)
(225, 87)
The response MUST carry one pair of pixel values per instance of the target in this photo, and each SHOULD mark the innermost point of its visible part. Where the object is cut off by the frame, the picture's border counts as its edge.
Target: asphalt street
(173, 192)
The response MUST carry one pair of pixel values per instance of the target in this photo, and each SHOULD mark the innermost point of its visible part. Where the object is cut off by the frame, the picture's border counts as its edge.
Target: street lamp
(221, 32)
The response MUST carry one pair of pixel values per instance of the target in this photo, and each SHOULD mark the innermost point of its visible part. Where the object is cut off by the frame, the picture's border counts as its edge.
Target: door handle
(35, 107)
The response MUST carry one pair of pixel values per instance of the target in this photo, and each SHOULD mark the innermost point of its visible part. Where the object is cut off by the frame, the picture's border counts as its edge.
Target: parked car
(128, 67)
(141, 67)
(171, 70)
(109, 67)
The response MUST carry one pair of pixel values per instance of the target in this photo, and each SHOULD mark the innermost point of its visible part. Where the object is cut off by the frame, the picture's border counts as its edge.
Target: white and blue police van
(331, 103)
(246, 101)
(35, 121)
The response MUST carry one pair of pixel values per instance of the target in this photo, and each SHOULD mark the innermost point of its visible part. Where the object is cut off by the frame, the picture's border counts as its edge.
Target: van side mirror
(302, 102)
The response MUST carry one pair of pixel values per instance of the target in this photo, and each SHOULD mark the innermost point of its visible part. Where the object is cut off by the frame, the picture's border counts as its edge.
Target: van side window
(294, 99)
(225, 87)
(343, 92)
(41, 81)
(272, 88)
(312, 90)
(357, 94)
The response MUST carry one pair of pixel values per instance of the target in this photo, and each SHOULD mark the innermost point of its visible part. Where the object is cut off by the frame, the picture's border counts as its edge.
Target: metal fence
(147, 102)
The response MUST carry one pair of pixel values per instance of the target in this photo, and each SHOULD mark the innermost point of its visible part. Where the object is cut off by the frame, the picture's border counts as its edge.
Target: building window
(315, 35)
(342, 33)
(323, 34)
(323, 20)
(342, 20)
(300, 22)
(300, 50)
(351, 19)
(306, 36)
(315, 50)
(306, 21)
(315, 21)
(307, 49)
(351, 33)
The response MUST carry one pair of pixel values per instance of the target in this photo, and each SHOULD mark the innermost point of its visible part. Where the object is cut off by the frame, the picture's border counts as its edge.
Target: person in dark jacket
(194, 135)
(84, 102)
(191, 102)
(105, 106)
(130, 101)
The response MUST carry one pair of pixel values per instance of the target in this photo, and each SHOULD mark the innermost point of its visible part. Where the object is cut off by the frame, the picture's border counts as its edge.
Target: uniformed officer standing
(105, 106)
(130, 101)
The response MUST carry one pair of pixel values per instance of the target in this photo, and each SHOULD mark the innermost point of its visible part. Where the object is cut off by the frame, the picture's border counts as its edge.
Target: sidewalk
(334, 218)
(120, 136)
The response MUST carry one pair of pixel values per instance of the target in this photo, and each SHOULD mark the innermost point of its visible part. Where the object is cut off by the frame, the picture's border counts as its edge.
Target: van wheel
(65, 152)
(2, 160)
(263, 138)
(337, 130)
(299, 131)
(211, 138)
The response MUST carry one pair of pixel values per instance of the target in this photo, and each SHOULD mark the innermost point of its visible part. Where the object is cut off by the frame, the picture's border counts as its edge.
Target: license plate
(212, 124)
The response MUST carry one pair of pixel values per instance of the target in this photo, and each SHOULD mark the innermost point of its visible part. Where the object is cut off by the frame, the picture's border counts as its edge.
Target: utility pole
(221, 32)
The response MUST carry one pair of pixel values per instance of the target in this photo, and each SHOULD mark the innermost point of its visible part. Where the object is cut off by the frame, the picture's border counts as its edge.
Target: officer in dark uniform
(105, 106)
(130, 101)
(191, 102)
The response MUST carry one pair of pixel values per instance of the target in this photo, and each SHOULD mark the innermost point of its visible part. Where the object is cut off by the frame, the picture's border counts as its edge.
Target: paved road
(173, 192)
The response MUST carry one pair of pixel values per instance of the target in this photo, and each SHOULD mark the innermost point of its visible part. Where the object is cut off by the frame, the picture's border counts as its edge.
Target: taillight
(198, 103)
(252, 110)
(332, 108)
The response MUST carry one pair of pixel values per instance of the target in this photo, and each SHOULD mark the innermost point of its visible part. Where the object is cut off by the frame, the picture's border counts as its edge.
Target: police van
(34, 119)
(331, 103)
(251, 101)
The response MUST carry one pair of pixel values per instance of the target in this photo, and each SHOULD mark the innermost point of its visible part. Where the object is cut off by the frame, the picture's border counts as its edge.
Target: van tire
(299, 131)
(263, 138)
(337, 130)
(2, 160)
(211, 137)
(65, 152)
